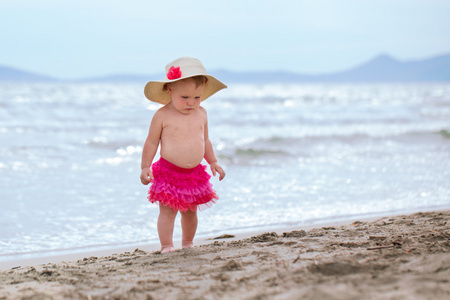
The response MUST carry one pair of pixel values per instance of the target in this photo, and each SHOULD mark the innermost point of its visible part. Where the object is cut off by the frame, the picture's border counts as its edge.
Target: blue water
(294, 154)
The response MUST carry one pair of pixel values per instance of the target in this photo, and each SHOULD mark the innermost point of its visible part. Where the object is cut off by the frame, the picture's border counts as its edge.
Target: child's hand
(146, 176)
(215, 168)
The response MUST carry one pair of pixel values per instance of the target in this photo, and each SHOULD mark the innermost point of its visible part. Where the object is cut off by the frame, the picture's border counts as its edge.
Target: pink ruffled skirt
(181, 189)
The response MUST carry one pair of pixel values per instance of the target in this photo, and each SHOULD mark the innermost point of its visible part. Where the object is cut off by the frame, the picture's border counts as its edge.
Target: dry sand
(402, 257)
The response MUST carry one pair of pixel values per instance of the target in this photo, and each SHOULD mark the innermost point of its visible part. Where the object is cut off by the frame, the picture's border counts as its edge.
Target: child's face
(186, 96)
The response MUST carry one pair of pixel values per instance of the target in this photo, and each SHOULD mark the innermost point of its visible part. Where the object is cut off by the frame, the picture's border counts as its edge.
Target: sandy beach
(400, 257)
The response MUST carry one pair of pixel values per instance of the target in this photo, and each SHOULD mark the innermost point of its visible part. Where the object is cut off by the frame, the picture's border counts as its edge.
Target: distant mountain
(383, 68)
(261, 77)
(387, 69)
(14, 75)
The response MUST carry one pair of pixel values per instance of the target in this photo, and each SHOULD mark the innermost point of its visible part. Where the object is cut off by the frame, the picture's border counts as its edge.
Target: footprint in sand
(232, 265)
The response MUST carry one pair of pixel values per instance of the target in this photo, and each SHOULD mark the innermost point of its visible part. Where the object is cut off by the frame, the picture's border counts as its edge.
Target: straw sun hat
(179, 69)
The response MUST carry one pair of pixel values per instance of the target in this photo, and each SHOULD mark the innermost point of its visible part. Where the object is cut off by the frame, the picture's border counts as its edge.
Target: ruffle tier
(181, 189)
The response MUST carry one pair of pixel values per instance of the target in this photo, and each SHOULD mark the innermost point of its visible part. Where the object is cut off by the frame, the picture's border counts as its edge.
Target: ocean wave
(70, 158)
(267, 144)
(444, 133)
(259, 152)
(273, 148)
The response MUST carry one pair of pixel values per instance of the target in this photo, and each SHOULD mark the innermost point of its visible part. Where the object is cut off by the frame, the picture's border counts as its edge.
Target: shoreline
(393, 257)
(104, 250)
(155, 246)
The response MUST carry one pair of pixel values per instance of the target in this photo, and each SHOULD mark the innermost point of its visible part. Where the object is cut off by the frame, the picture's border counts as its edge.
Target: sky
(88, 38)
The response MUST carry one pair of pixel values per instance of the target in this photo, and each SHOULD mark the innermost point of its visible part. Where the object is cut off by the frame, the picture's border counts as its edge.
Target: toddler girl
(179, 181)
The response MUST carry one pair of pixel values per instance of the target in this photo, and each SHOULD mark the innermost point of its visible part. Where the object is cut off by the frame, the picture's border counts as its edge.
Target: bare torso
(183, 137)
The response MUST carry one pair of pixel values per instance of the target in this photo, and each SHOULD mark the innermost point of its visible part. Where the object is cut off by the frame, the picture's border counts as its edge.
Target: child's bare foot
(167, 249)
(189, 245)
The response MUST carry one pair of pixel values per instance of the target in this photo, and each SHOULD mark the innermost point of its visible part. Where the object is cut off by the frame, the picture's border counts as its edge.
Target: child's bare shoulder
(202, 110)
(159, 115)
(161, 112)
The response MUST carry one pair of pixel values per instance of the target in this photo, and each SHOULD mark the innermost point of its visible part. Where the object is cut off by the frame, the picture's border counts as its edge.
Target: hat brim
(155, 92)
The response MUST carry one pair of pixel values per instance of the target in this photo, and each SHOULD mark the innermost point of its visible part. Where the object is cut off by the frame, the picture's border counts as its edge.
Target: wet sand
(401, 257)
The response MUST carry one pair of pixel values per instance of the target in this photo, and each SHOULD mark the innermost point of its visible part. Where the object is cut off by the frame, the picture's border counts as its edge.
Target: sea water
(294, 155)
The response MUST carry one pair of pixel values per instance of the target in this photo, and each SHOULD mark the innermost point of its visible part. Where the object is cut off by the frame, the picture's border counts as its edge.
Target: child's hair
(198, 80)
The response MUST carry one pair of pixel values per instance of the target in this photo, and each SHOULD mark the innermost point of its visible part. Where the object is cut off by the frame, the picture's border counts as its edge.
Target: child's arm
(150, 147)
(210, 157)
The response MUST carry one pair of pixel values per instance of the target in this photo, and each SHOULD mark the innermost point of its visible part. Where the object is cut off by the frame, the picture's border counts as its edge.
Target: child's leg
(188, 228)
(166, 222)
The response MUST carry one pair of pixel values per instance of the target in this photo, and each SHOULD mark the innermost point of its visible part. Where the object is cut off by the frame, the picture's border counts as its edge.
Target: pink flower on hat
(174, 73)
